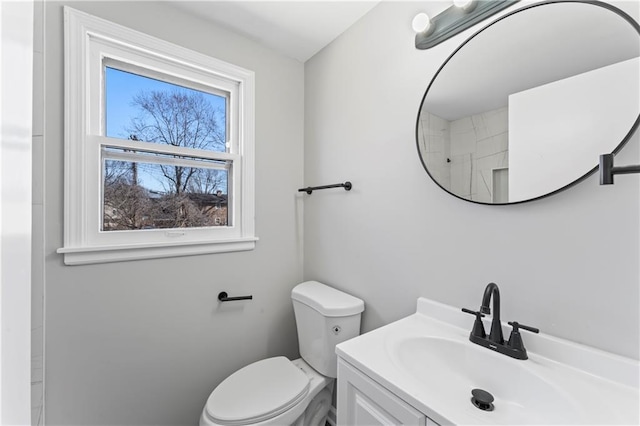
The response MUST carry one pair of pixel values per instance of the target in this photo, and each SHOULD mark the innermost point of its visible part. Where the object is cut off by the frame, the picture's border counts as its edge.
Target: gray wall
(567, 264)
(145, 342)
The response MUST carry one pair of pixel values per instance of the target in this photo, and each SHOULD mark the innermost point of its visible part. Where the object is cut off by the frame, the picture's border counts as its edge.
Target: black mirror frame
(626, 138)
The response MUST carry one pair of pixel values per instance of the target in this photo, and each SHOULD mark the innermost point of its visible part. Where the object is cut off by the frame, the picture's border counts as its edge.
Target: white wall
(145, 342)
(567, 264)
(559, 127)
(16, 46)
(37, 221)
(434, 145)
(479, 144)
(462, 154)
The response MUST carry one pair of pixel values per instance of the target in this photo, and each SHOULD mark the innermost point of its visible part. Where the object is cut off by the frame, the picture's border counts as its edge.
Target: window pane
(146, 109)
(150, 195)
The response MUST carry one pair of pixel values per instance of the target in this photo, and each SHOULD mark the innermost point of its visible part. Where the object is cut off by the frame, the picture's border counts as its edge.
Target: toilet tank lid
(327, 300)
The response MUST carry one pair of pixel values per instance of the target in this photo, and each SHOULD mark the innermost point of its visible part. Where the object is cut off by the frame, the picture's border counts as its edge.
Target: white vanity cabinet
(364, 402)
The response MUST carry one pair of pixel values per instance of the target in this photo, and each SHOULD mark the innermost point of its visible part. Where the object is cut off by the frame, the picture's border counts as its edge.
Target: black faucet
(492, 290)
(514, 347)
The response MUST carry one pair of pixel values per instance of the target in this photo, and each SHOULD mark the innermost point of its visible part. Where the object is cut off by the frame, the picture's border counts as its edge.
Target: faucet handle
(515, 339)
(478, 327)
(478, 314)
(516, 325)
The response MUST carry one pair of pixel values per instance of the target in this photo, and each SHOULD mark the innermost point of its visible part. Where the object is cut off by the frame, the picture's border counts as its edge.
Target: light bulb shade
(421, 22)
(465, 5)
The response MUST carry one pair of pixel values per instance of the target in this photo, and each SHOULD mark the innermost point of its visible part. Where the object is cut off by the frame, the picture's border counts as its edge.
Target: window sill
(120, 253)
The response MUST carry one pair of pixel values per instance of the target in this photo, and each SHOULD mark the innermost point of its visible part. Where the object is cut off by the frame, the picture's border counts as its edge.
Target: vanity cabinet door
(363, 402)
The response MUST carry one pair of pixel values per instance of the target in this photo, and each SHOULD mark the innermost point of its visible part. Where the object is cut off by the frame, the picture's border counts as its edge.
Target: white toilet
(277, 391)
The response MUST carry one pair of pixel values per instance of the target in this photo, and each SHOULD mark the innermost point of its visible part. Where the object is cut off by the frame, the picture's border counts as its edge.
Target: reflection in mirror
(522, 110)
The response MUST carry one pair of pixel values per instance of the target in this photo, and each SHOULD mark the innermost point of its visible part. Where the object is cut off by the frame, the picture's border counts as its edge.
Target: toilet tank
(324, 317)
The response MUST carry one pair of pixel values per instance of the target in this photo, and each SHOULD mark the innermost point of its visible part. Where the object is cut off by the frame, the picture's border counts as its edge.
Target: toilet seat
(258, 392)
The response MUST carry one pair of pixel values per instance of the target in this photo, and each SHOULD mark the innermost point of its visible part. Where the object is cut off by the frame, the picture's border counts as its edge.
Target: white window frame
(90, 43)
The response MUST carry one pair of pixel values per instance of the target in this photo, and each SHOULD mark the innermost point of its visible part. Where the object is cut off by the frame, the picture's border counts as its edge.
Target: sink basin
(521, 395)
(427, 360)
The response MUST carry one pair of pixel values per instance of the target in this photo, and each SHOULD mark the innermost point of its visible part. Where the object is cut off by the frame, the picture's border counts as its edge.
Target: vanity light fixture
(455, 19)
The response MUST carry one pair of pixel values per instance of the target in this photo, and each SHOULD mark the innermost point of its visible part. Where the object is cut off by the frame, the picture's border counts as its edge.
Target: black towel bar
(347, 187)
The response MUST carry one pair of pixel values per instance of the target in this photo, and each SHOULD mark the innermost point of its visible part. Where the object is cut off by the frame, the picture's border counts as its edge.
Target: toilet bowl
(272, 391)
(277, 391)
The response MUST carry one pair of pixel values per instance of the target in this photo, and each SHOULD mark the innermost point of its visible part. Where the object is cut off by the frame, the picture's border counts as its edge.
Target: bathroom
(144, 342)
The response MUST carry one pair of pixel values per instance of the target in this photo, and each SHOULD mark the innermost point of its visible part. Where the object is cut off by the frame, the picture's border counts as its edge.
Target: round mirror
(524, 107)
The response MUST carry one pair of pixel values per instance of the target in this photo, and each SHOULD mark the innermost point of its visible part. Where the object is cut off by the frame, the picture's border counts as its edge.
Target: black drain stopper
(482, 399)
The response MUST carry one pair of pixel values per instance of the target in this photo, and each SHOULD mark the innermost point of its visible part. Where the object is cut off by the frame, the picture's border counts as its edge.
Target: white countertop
(562, 382)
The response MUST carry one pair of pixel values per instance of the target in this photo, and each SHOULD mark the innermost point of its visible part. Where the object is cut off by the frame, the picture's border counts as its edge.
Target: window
(158, 147)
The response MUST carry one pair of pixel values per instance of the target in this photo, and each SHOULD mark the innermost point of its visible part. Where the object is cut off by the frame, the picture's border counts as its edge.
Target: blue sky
(122, 86)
